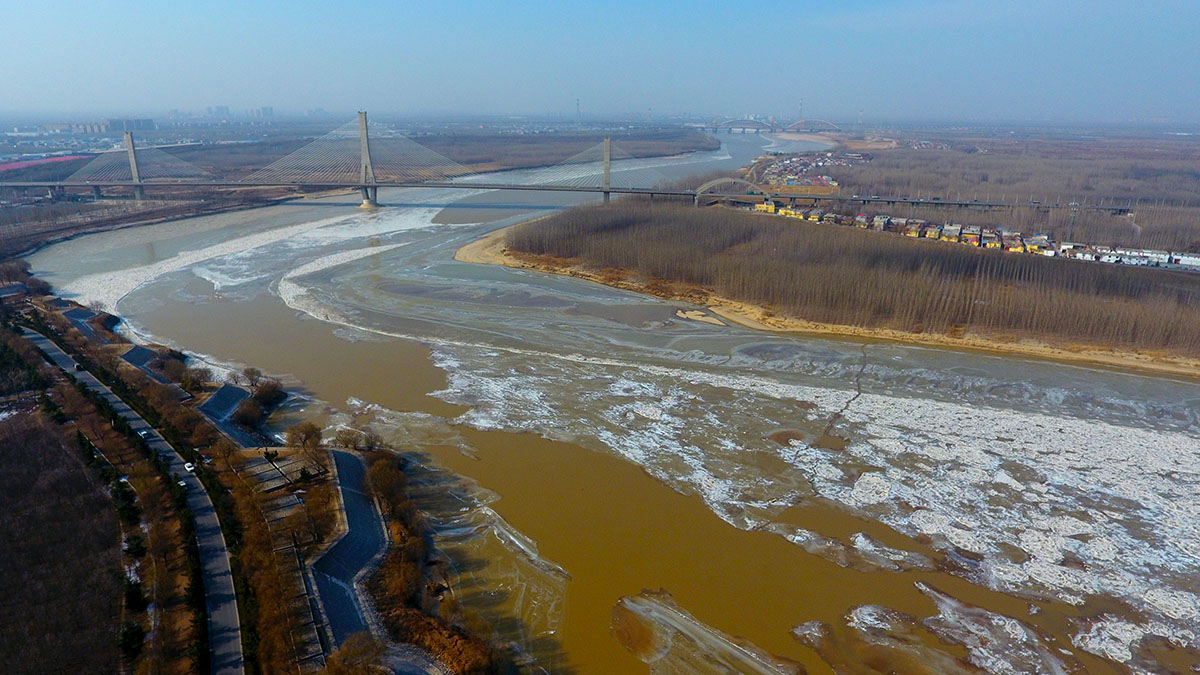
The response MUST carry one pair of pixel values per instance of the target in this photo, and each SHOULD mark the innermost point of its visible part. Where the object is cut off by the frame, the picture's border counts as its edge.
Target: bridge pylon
(139, 192)
(370, 194)
(607, 159)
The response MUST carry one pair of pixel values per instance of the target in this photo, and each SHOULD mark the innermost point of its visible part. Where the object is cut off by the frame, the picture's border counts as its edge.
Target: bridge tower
(139, 192)
(607, 167)
(370, 194)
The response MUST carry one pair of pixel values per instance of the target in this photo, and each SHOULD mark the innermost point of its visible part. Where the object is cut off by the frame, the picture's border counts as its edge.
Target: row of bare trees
(103, 455)
(267, 592)
(405, 592)
(1156, 177)
(853, 277)
(61, 563)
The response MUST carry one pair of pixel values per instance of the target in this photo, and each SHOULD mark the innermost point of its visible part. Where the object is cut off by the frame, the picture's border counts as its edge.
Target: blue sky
(1019, 59)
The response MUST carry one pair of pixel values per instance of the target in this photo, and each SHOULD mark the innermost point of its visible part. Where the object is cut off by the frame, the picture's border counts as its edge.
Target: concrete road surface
(224, 627)
(334, 573)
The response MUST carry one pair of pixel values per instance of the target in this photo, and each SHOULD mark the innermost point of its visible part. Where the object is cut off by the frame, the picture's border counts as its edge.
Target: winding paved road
(224, 626)
(334, 573)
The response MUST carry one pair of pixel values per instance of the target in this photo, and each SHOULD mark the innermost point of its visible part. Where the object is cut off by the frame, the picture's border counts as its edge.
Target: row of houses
(1131, 256)
(992, 237)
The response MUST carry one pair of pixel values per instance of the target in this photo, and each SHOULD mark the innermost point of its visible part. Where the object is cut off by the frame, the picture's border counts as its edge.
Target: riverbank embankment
(492, 250)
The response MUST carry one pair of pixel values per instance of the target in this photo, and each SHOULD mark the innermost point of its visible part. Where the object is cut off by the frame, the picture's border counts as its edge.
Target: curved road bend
(224, 626)
(335, 571)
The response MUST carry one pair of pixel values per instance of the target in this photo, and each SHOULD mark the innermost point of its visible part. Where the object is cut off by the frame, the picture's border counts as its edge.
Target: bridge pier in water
(370, 197)
(370, 194)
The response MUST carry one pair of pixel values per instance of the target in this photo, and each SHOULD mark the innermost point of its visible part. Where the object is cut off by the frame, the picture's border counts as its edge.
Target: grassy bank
(812, 277)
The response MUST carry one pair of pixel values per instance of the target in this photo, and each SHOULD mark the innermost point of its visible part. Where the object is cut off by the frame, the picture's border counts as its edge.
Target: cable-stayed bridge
(365, 158)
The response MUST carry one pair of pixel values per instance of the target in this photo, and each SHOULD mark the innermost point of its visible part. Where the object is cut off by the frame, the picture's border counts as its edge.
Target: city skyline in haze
(1102, 61)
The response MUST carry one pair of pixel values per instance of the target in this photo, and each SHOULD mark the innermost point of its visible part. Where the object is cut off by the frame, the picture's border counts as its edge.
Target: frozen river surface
(1061, 485)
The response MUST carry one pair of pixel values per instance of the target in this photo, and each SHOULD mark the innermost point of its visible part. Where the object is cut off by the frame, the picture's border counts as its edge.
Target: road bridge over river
(350, 158)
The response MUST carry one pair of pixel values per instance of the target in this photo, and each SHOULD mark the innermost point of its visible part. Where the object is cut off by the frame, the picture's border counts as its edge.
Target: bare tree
(348, 438)
(252, 375)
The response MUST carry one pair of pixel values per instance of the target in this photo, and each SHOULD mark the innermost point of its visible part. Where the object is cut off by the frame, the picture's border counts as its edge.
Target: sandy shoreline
(490, 250)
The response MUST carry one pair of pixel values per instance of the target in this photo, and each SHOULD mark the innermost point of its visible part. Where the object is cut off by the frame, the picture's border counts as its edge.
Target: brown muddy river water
(617, 485)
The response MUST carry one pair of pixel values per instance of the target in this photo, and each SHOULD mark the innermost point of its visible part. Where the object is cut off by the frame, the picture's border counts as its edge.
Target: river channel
(617, 485)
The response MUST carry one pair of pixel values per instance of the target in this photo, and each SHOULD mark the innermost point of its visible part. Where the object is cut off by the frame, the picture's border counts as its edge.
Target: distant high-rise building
(266, 111)
(217, 111)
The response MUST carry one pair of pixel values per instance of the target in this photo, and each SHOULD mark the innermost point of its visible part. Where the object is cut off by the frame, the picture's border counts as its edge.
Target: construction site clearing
(993, 238)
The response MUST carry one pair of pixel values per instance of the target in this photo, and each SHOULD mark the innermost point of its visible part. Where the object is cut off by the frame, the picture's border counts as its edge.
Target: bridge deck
(564, 188)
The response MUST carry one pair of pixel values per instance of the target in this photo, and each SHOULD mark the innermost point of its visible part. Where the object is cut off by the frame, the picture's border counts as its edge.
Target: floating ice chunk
(664, 635)
(930, 522)
(1038, 544)
(1101, 548)
(648, 411)
(994, 642)
(871, 488)
(1111, 638)
(1175, 604)
(1001, 477)
(1068, 526)
(886, 556)
(967, 540)
(867, 617)
(810, 633)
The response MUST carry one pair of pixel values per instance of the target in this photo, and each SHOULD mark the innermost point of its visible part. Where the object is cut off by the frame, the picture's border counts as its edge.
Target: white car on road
(189, 467)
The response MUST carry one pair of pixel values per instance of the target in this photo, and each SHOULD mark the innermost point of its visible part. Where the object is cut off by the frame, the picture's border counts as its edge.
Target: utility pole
(607, 167)
(370, 194)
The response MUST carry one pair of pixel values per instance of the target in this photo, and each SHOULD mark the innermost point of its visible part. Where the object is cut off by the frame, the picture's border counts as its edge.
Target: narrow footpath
(224, 626)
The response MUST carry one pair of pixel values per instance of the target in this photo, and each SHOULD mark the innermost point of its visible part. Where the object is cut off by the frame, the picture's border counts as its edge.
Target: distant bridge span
(759, 126)
(701, 191)
(744, 125)
(754, 193)
(812, 125)
(321, 165)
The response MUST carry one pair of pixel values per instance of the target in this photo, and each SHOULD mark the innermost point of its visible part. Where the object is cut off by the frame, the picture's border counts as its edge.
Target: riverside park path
(224, 626)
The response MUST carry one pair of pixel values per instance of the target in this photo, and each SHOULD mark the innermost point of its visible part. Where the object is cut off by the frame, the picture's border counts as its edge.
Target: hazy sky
(1101, 60)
